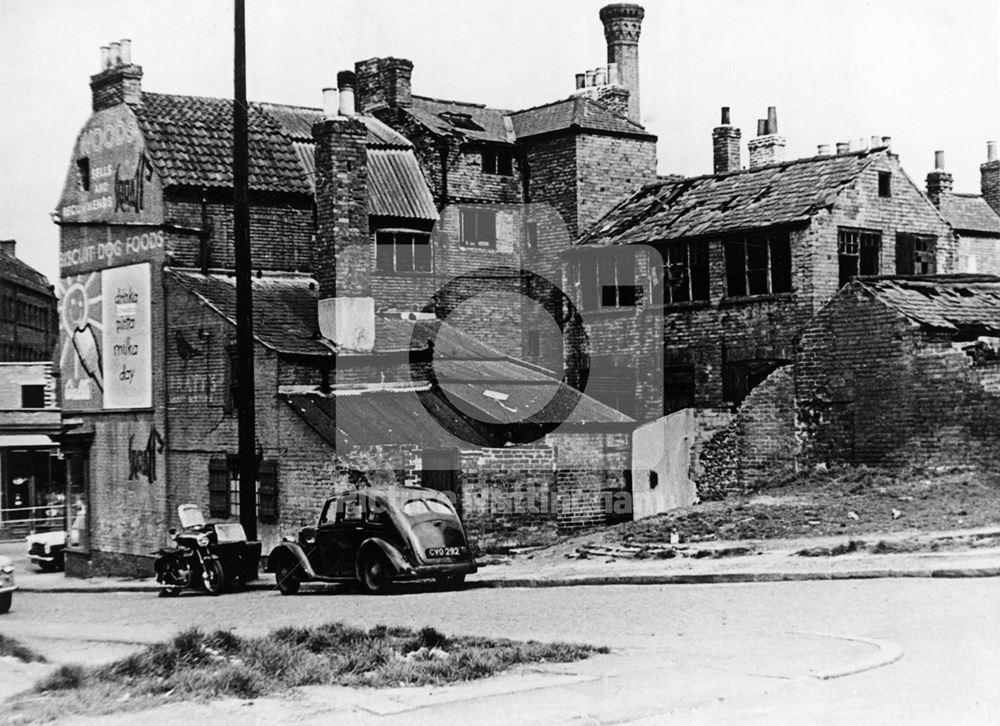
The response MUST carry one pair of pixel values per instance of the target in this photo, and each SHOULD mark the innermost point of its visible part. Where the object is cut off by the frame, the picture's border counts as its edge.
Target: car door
(346, 534)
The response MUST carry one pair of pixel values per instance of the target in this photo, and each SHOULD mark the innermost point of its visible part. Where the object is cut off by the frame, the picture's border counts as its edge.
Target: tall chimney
(938, 181)
(725, 146)
(119, 80)
(346, 310)
(383, 82)
(622, 25)
(768, 147)
(990, 177)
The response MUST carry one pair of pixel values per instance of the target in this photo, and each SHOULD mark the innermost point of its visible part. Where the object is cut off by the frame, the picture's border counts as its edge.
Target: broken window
(460, 120)
(685, 272)
(402, 251)
(607, 280)
(916, 254)
(678, 387)
(858, 253)
(758, 264)
(741, 377)
(479, 228)
(498, 161)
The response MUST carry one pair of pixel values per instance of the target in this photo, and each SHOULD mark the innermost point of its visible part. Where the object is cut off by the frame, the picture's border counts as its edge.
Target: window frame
(862, 236)
(678, 255)
(497, 161)
(736, 258)
(885, 184)
(623, 293)
(475, 215)
(396, 244)
(916, 253)
(34, 389)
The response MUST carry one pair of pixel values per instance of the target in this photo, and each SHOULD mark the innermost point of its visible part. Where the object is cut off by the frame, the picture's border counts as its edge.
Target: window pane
(675, 274)
(589, 289)
(487, 223)
(468, 227)
(422, 253)
(848, 268)
(383, 251)
(870, 245)
(698, 262)
(404, 253)
(489, 162)
(781, 263)
(757, 272)
(606, 280)
(505, 163)
(735, 268)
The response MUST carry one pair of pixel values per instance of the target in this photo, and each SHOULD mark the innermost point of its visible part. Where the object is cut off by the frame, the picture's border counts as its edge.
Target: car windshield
(417, 507)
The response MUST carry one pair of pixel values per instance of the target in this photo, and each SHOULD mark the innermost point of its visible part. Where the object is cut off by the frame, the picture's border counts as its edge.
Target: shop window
(479, 228)
(607, 280)
(858, 252)
(685, 272)
(916, 254)
(402, 251)
(32, 396)
(498, 161)
(758, 264)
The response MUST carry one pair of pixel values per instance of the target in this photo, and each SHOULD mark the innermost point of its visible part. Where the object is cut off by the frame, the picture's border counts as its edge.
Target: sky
(925, 72)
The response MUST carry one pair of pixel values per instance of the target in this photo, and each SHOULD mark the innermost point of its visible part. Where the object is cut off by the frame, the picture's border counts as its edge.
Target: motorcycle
(210, 557)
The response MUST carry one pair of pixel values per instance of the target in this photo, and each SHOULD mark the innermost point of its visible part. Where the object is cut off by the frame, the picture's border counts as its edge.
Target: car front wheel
(288, 582)
(376, 572)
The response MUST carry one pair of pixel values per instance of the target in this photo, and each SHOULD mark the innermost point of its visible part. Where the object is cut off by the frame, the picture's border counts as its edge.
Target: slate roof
(15, 271)
(970, 213)
(576, 112)
(490, 124)
(957, 303)
(284, 314)
(190, 143)
(784, 193)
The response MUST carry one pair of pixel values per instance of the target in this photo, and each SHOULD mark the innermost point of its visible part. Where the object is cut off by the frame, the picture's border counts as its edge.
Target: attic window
(460, 120)
(885, 183)
(83, 168)
(498, 161)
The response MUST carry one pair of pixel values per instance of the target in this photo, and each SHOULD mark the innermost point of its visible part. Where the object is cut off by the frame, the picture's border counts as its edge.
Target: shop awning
(21, 441)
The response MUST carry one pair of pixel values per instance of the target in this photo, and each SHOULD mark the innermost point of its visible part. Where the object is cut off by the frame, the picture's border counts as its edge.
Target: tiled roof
(970, 213)
(284, 311)
(782, 193)
(190, 139)
(396, 186)
(446, 118)
(967, 303)
(574, 112)
(13, 270)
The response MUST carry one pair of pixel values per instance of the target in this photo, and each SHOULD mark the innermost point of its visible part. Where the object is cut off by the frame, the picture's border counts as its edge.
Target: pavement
(950, 553)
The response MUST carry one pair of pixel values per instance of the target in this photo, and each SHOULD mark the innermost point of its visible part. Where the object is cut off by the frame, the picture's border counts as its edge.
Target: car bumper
(423, 572)
(7, 588)
(47, 559)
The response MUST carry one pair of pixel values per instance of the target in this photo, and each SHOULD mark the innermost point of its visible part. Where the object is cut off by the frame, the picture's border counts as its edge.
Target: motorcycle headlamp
(202, 540)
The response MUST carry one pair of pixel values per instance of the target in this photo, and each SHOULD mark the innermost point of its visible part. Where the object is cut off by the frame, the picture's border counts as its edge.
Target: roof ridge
(453, 103)
(545, 105)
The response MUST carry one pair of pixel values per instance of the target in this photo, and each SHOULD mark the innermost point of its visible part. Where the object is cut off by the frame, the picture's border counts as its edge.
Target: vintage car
(6, 584)
(47, 549)
(376, 536)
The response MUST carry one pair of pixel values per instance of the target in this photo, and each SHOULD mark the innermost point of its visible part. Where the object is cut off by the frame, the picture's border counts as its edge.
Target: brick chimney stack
(383, 82)
(119, 80)
(343, 244)
(8, 247)
(622, 25)
(725, 146)
(990, 177)
(938, 181)
(768, 147)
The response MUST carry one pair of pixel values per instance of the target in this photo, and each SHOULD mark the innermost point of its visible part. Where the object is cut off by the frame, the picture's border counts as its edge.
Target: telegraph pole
(244, 299)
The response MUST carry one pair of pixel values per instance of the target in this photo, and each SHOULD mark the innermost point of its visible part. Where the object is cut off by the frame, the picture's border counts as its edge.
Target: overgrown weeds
(16, 649)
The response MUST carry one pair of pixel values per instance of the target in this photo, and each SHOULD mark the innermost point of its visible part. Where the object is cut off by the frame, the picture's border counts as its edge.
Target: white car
(45, 549)
(6, 584)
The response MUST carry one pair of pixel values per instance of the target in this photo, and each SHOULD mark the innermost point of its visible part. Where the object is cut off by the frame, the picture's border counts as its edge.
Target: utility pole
(244, 298)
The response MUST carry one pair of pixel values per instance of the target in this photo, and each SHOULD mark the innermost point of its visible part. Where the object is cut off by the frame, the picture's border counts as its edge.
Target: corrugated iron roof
(574, 112)
(783, 193)
(396, 186)
(958, 303)
(970, 213)
(284, 314)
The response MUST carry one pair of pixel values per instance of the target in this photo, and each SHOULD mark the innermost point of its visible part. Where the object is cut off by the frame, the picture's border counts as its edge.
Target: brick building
(360, 214)
(903, 370)
(28, 327)
(974, 217)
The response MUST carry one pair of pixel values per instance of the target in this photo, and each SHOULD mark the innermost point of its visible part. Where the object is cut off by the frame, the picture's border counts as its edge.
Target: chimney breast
(622, 26)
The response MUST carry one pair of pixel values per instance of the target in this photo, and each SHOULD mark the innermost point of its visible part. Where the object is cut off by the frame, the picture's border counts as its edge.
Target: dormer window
(498, 161)
(460, 120)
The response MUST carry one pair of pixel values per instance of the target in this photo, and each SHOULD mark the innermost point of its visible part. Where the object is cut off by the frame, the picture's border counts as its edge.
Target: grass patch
(14, 649)
(199, 666)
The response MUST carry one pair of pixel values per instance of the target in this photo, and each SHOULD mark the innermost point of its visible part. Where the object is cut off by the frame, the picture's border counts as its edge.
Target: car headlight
(46, 548)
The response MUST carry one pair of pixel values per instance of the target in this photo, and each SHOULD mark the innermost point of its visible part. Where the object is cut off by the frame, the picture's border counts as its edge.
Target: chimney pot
(601, 76)
(823, 150)
(939, 160)
(589, 77)
(862, 144)
(762, 127)
(991, 151)
(125, 49)
(581, 80)
(105, 57)
(772, 120)
(613, 77)
(346, 81)
(843, 147)
(331, 103)
(116, 57)
(622, 27)
(876, 142)
(887, 142)
(725, 116)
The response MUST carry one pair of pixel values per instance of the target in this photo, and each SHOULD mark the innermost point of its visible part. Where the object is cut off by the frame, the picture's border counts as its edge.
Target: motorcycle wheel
(212, 576)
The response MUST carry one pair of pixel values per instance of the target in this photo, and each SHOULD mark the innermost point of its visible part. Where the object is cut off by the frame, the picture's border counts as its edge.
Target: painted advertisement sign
(94, 247)
(111, 177)
(106, 339)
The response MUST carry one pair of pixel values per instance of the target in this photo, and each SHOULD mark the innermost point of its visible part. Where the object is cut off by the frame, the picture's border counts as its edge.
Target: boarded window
(758, 264)
(267, 491)
(916, 254)
(858, 253)
(685, 272)
(32, 396)
(402, 251)
(218, 487)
